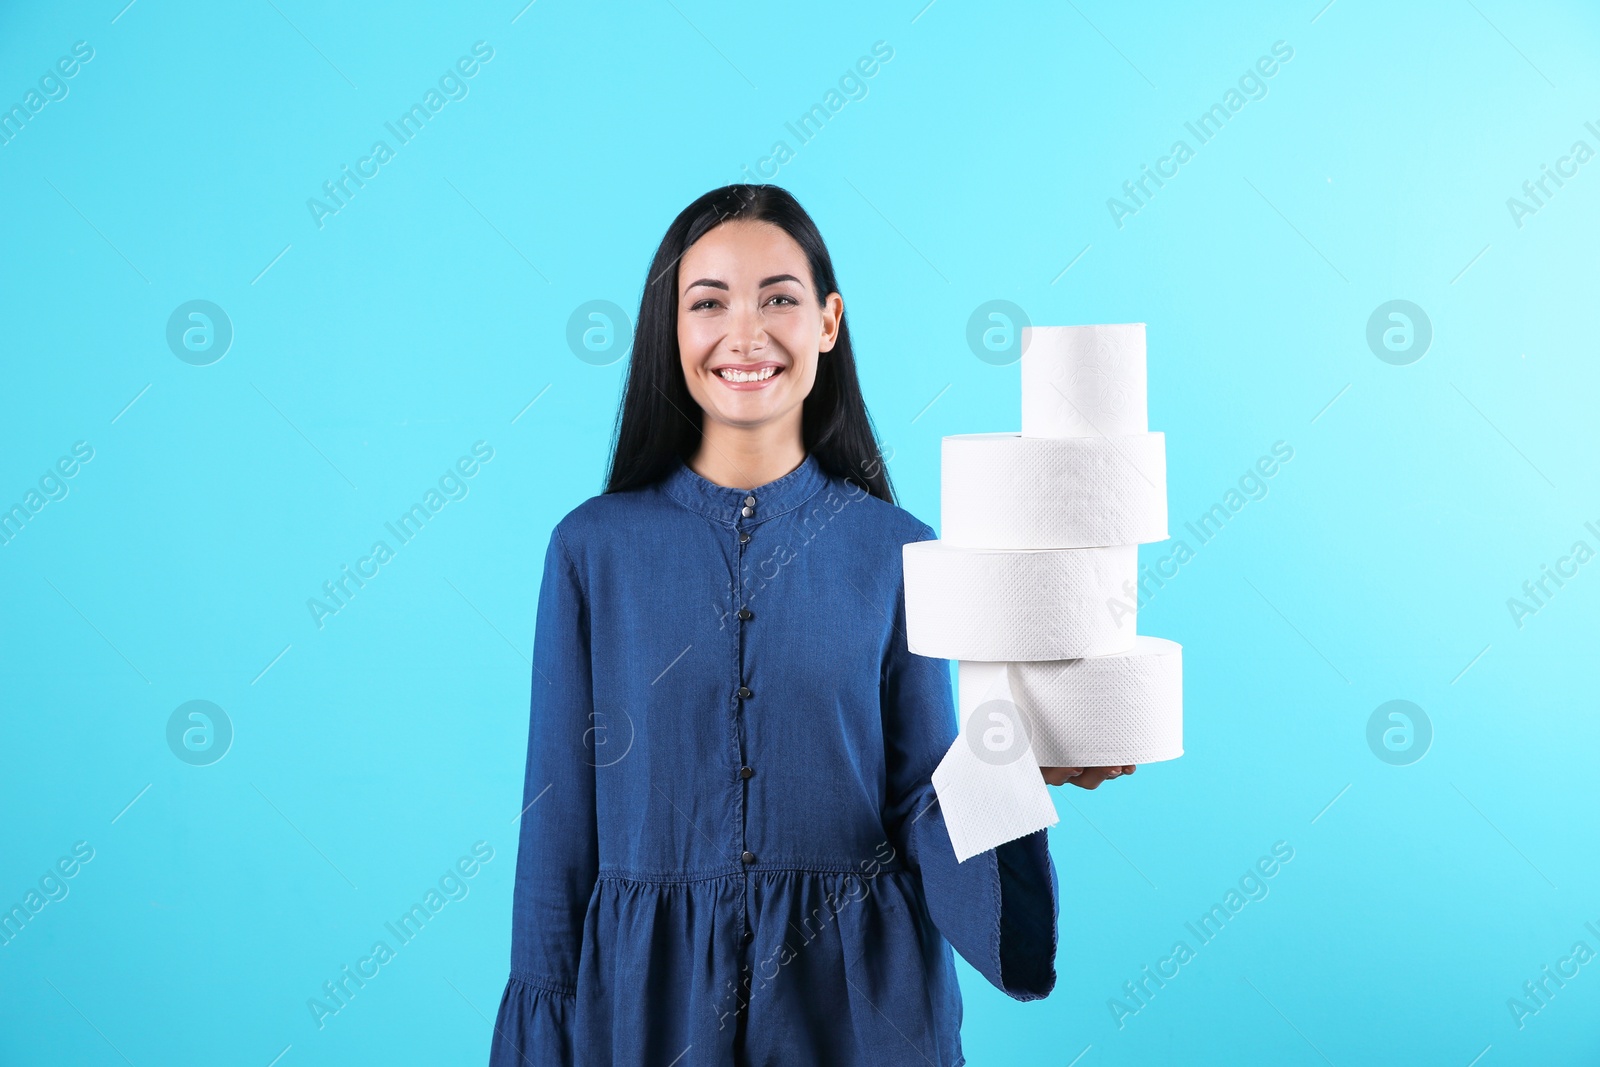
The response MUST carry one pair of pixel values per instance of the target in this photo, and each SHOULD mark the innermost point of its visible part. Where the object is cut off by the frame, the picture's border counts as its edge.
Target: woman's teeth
(762, 375)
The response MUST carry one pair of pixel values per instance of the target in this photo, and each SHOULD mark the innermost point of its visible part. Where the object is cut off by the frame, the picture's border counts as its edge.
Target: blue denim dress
(731, 851)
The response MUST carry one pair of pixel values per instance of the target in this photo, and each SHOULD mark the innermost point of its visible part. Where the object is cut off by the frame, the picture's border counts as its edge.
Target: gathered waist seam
(619, 874)
(527, 978)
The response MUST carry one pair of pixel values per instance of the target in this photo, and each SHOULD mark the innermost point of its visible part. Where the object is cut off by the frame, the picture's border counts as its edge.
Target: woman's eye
(710, 302)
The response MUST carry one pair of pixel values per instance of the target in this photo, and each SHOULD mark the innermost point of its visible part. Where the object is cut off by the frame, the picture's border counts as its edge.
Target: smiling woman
(738, 592)
(743, 282)
(750, 343)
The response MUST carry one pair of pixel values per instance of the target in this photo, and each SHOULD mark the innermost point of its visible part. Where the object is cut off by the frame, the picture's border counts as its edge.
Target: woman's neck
(745, 459)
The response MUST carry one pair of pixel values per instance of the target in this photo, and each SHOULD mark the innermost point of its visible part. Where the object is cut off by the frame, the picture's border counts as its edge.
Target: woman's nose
(747, 329)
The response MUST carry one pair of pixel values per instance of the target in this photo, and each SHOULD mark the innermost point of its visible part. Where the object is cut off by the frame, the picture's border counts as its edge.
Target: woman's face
(746, 310)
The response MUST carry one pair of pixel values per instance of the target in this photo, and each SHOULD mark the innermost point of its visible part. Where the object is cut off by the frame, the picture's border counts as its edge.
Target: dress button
(749, 936)
(747, 511)
(748, 857)
(744, 538)
(750, 501)
(746, 772)
(746, 614)
(744, 692)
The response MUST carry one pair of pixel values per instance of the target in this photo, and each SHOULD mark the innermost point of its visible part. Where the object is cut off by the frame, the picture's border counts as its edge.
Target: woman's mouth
(745, 380)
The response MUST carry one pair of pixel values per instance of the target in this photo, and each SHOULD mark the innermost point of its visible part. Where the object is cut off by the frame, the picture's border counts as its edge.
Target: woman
(731, 851)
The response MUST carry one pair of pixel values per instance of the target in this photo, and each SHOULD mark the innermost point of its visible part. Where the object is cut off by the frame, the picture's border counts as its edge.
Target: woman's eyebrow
(712, 283)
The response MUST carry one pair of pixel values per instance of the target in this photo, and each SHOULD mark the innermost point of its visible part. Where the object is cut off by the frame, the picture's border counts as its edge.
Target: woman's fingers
(1085, 777)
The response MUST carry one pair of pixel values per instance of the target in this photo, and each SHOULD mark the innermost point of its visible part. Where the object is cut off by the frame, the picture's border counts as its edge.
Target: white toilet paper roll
(1003, 490)
(1083, 381)
(1103, 711)
(1043, 604)
(1015, 718)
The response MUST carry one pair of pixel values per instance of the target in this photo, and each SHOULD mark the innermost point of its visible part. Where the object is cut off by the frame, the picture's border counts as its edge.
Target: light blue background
(427, 314)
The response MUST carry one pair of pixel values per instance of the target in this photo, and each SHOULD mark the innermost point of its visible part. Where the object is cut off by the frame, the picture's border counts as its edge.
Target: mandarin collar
(727, 504)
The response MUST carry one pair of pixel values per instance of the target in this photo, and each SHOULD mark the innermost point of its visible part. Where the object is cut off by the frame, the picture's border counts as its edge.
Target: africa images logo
(451, 85)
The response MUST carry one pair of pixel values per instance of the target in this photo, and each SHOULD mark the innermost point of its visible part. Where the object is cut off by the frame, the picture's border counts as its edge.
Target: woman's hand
(1084, 777)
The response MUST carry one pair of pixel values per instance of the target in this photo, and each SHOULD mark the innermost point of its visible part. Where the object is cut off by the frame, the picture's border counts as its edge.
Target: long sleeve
(999, 909)
(557, 853)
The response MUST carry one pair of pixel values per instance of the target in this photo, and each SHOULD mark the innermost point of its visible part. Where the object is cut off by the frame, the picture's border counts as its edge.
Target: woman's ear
(832, 315)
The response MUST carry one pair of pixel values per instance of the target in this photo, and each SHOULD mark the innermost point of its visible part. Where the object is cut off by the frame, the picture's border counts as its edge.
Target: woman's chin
(747, 409)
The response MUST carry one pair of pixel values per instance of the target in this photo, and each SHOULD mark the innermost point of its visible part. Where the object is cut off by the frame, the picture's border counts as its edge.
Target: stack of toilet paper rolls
(1032, 589)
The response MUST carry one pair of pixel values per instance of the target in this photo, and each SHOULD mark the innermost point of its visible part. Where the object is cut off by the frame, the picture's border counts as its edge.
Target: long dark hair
(659, 421)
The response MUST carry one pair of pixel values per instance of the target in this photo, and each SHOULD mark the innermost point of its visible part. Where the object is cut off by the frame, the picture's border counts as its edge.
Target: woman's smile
(745, 377)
